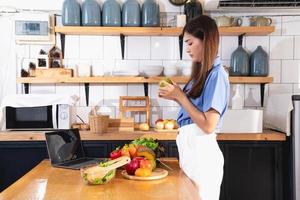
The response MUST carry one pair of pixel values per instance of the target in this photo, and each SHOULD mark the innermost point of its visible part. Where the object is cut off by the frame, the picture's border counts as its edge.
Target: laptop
(65, 150)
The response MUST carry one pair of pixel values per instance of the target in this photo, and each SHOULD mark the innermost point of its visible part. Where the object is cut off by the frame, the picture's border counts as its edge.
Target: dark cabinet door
(173, 150)
(18, 158)
(96, 149)
(252, 171)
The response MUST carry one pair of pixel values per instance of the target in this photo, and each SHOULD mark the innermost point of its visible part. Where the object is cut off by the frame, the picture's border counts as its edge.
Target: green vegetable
(147, 142)
(103, 180)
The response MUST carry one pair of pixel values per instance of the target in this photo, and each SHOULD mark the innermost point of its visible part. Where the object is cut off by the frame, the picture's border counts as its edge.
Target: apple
(144, 127)
(170, 125)
(164, 82)
(160, 125)
(133, 165)
(159, 120)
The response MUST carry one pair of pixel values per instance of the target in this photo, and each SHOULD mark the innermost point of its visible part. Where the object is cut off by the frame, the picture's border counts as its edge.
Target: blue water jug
(91, 13)
(239, 61)
(131, 13)
(150, 13)
(259, 62)
(111, 13)
(71, 13)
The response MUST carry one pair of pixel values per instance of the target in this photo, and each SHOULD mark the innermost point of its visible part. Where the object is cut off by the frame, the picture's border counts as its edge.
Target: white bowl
(151, 70)
(170, 71)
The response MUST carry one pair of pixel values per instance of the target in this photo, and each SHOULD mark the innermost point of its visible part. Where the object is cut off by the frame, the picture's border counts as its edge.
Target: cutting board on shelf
(158, 173)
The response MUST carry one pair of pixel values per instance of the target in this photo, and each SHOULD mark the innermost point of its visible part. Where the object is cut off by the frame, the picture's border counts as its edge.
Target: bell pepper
(115, 154)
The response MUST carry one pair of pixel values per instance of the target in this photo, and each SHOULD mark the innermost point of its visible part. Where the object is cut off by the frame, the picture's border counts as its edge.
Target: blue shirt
(215, 94)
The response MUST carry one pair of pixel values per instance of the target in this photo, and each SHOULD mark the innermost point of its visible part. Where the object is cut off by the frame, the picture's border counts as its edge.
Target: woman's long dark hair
(204, 28)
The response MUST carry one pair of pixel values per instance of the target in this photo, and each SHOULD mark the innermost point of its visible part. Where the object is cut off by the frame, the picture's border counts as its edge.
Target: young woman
(203, 103)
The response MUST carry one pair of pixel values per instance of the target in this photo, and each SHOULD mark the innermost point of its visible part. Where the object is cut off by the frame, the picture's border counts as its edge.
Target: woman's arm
(207, 121)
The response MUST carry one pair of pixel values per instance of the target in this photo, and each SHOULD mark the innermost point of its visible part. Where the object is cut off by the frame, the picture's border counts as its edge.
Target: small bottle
(237, 100)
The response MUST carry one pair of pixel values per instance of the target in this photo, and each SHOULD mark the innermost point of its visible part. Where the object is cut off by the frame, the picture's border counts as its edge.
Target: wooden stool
(124, 109)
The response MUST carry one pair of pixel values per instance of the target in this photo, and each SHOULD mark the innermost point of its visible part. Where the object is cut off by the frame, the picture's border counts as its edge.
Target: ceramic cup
(180, 20)
(260, 21)
(246, 21)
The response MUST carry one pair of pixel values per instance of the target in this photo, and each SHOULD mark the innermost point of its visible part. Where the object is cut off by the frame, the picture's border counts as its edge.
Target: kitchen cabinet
(254, 169)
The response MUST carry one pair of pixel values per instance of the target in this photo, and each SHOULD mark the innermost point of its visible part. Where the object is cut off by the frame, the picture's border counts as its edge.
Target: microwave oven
(34, 28)
(38, 117)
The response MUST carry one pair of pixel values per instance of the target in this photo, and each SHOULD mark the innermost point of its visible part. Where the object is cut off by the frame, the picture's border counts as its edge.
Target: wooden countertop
(46, 182)
(267, 135)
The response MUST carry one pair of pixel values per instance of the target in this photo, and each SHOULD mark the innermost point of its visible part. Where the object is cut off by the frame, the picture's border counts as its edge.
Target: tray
(167, 130)
(158, 173)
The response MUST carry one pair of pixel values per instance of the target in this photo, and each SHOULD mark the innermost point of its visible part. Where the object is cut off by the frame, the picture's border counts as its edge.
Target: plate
(158, 173)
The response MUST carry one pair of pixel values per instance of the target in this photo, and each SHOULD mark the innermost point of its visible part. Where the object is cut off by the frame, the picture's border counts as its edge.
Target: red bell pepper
(115, 154)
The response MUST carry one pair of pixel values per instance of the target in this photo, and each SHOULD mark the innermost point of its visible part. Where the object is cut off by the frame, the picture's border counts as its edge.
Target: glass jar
(91, 13)
(131, 13)
(71, 13)
(259, 62)
(111, 13)
(150, 13)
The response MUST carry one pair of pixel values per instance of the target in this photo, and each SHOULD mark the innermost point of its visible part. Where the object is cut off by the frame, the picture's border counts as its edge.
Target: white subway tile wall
(103, 53)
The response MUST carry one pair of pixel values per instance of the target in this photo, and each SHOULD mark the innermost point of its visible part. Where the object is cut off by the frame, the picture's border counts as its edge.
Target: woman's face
(194, 47)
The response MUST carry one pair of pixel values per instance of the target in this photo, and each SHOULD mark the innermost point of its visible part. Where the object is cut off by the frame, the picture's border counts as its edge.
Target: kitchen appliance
(34, 27)
(296, 146)
(36, 112)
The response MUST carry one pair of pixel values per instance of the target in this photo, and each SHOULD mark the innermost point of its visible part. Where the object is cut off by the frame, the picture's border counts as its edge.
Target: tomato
(146, 164)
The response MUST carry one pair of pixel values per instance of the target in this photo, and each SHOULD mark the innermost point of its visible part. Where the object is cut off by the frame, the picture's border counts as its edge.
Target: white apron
(201, 160)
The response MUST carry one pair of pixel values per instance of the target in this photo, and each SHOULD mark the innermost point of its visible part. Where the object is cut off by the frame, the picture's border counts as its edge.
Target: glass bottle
(239, 61)
(259, 62)
(71, 13)
(91, 13)
(111, 13)
(131, 13)
(150, 13)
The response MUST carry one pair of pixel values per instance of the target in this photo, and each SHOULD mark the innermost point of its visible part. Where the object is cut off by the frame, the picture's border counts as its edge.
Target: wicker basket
(98, 123)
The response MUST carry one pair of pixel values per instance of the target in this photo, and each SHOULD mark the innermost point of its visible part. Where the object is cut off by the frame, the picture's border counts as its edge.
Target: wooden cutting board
(51, 73)
(167, 130)
(158, 173)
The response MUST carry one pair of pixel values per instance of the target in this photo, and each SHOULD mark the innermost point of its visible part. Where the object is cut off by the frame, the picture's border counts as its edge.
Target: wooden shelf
(156, 31)
(131, 80)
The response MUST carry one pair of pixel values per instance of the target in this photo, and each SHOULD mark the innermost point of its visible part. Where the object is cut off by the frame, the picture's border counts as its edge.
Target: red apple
(132, 166)
(159, 120)
(160, 125)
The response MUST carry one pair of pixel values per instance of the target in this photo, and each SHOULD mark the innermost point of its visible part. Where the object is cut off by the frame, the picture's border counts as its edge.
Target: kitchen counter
(46, 182)
(267, 135)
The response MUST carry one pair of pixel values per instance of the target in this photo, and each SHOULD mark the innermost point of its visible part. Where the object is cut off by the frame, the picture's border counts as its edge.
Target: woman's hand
(171, 92)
